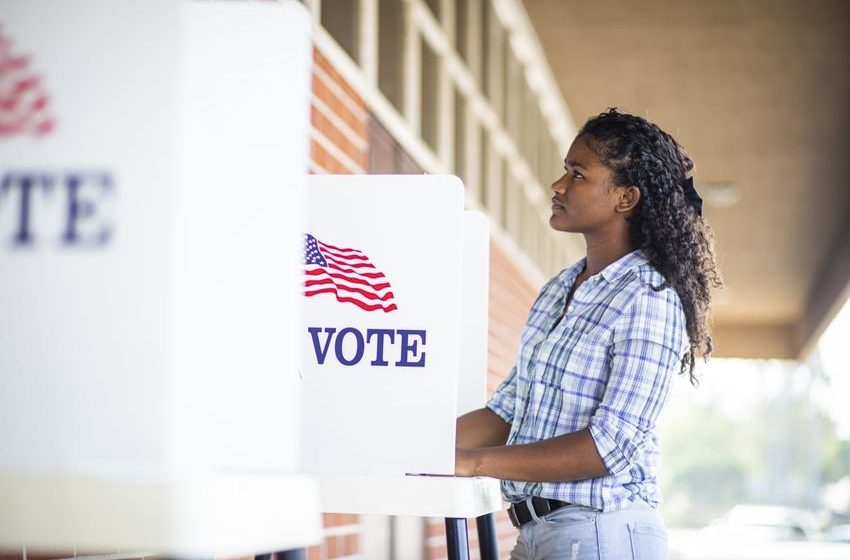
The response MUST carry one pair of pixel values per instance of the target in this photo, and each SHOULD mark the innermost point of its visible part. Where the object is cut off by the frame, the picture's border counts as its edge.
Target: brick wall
(340, 121)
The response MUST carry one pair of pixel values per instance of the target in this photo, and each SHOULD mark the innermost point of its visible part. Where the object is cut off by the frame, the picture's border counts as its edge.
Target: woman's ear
(629, 197)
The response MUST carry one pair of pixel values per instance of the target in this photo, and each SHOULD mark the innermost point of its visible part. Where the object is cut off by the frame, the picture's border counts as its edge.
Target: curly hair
(675, 239)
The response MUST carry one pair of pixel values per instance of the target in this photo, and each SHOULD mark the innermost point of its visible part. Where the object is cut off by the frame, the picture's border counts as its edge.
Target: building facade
(445, 86)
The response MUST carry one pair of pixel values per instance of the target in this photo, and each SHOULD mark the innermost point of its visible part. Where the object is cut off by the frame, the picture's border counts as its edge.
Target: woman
(572, 429)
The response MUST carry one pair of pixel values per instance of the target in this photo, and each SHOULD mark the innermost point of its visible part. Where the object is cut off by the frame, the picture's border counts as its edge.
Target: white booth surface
(474, 313)
(368, 422)
(425, 496)
(153, 163)
(382, 295)
(215, 515)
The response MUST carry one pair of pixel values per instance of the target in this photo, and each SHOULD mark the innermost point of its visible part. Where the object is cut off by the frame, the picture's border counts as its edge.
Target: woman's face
(584, 198)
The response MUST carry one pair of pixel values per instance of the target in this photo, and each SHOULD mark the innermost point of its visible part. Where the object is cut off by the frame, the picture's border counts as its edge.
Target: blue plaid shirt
(607, 366)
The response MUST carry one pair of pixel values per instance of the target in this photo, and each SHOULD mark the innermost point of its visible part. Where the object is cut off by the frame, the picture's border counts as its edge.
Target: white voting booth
(395, 343)
(152, 167)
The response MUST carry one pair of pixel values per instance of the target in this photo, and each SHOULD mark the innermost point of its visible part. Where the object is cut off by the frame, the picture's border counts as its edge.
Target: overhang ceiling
(758, 92)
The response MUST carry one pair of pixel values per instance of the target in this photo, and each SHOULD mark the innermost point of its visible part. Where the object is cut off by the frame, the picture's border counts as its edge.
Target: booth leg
(487, 537)
(297, 554)
(457, 538)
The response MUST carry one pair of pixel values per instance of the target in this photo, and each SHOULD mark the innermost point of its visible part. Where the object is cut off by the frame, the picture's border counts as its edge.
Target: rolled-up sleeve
(648, 344)
(503, 400)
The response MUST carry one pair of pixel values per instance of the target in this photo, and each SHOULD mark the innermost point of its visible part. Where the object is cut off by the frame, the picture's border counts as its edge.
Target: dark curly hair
(676, 240)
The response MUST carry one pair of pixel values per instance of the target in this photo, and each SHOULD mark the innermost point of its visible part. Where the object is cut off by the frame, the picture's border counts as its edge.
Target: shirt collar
(624, 264)
(611, 272)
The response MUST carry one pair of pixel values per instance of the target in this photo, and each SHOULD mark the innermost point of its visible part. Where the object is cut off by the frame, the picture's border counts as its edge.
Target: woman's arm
(481, 428)
(567, 457)
(644, 357)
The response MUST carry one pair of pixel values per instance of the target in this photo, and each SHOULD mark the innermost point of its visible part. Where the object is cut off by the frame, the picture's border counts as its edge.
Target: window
(502, 214)
(340, 18)
(390, 41)
(513, 100)
(429, 112)
(460, 135)
(547, 154)
(496, 70)
(484, 169)
(493, 39)
(461, 24)
(529, 129)
(473, 178)
(484, 75)
(512, 196)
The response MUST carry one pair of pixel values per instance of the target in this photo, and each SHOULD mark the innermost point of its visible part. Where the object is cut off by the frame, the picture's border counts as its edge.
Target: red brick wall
(339, 119)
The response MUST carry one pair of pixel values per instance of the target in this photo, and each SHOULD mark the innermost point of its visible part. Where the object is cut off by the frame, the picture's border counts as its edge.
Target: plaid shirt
(606, 365)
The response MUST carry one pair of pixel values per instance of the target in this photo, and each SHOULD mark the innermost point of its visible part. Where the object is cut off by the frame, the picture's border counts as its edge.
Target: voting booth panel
(381, 322)
(441, 496)
(153, 159)
(475, 287)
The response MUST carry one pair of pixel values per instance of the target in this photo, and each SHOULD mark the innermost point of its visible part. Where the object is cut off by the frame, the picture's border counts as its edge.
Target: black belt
(520, 513)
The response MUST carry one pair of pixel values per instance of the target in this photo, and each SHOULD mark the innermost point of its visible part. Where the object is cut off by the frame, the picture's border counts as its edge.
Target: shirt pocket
(574, 355)
(570, 376)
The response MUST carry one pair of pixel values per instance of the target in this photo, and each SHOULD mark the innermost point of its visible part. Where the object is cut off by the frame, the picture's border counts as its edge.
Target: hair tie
(691, 195)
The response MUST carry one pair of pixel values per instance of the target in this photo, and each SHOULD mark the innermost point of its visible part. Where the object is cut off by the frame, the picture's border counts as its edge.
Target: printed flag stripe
(342, 257)
(329, 246)
(341, 252)
(319, 271)
(23, 100)
(364, 293)
(358, 303)
(366, 274)
(359, 265)
(346, 273)
(347, 278)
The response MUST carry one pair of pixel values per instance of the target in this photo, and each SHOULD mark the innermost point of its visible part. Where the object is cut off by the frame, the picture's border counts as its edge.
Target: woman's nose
(558, 187)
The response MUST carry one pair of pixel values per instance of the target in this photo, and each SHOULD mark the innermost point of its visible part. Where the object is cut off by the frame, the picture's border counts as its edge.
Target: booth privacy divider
(381, 323)
(394, 346)
(153, 158)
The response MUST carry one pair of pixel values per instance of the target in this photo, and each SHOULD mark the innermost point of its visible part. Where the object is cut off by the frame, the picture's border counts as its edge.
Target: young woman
(571, 432)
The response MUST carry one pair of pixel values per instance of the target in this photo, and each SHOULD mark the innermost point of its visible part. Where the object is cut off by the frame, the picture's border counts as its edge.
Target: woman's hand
(465, 462)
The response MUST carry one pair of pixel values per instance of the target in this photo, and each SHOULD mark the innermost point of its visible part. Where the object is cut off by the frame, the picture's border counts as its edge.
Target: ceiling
(758, 93)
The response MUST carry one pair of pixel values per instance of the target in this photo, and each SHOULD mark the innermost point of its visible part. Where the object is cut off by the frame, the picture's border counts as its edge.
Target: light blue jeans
(583, 533)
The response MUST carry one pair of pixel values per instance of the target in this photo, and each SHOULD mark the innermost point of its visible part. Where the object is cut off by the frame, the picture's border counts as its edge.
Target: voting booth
(153, 157)
(381, 323)
(394, 345)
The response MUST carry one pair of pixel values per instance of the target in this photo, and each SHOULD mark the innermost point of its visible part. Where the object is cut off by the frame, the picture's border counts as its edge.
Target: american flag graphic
(23, 102)
(348, 274)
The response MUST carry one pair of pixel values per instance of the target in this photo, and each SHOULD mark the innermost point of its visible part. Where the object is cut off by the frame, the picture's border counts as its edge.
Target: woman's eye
(574, 173)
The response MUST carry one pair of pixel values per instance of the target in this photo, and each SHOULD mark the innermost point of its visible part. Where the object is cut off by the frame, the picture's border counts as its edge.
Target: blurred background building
(756, 90)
